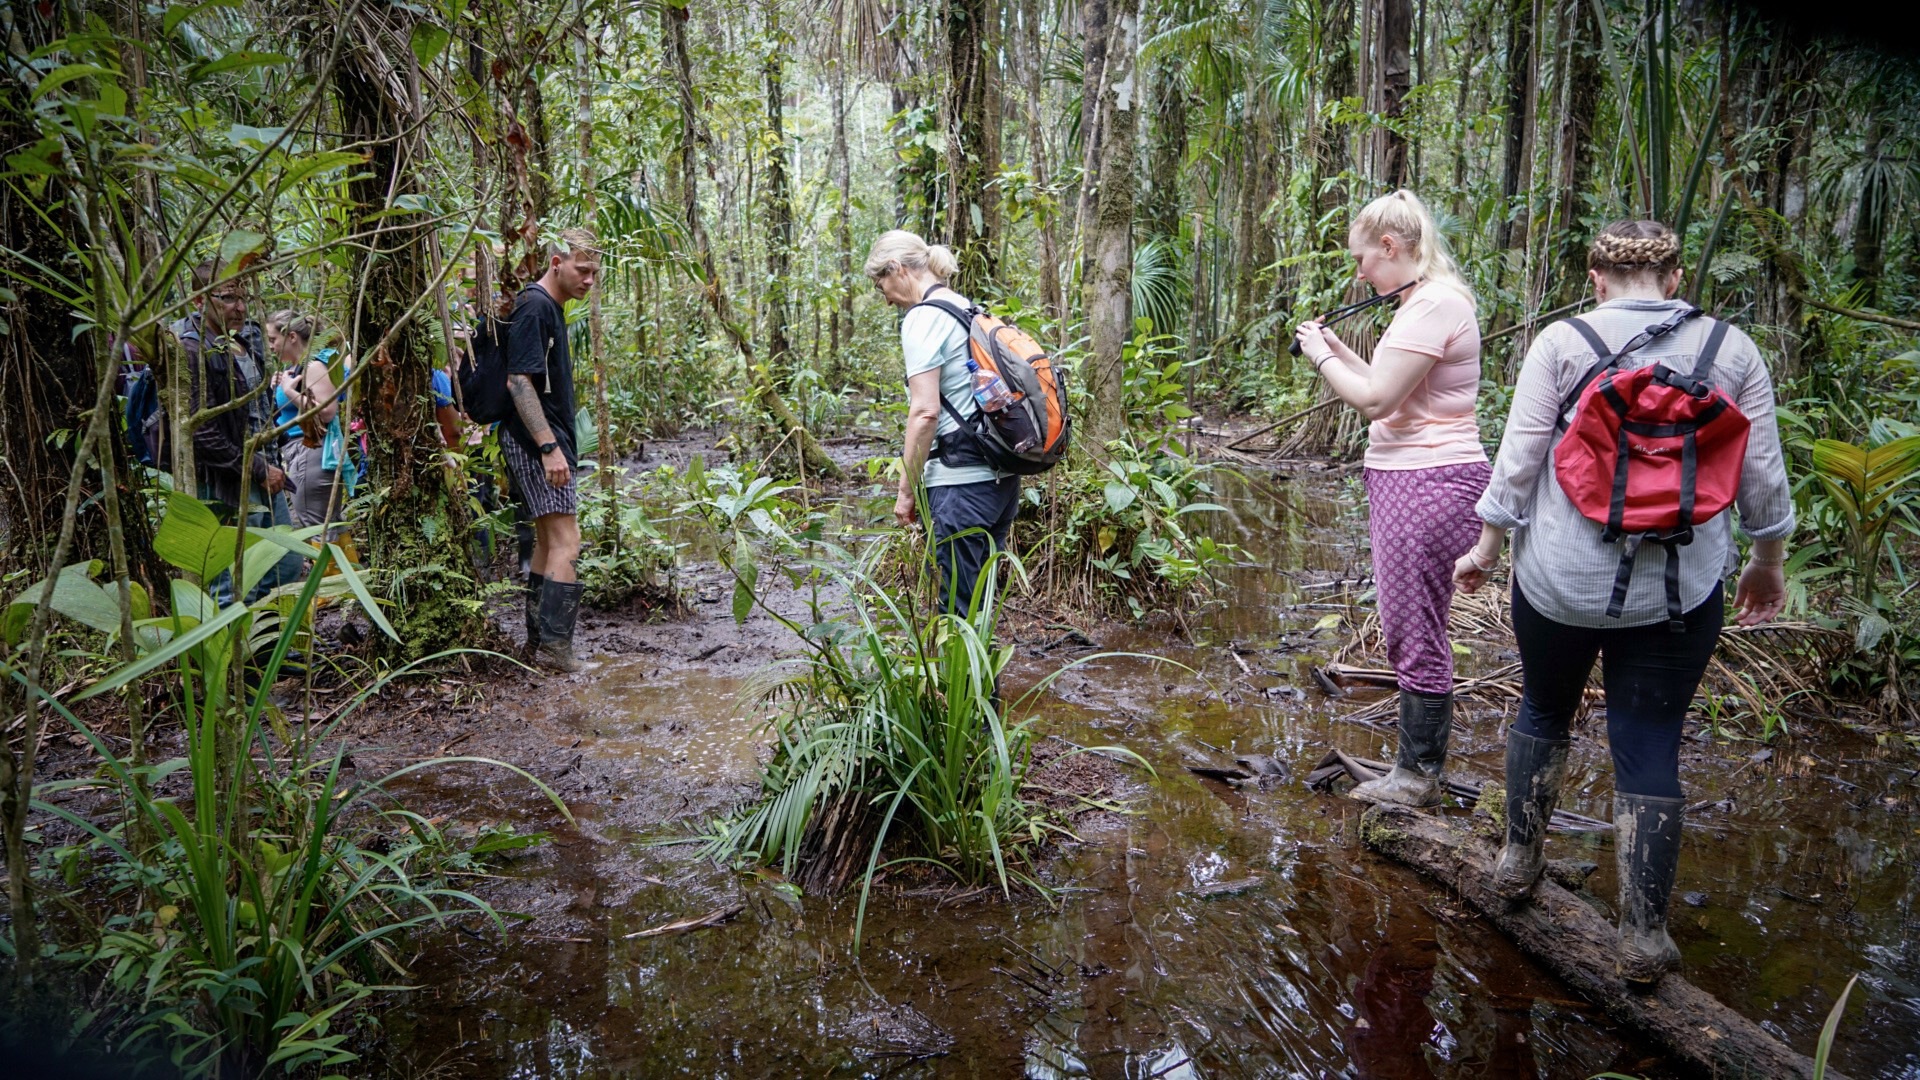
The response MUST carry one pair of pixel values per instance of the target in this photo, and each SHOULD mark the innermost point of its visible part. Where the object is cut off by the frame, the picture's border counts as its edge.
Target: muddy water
(1212, 932)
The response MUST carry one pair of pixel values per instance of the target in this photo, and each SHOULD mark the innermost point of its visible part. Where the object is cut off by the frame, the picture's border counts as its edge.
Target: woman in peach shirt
(1425, 467)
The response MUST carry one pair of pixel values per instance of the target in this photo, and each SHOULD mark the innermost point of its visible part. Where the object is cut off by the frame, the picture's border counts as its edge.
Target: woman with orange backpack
(1633, 428)
(1425, 465)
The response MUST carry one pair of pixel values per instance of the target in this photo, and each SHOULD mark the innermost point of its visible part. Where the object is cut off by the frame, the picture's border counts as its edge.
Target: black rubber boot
(1646, 839)
(523, 542)
(534, 582)
(1418, 778)
(559, 609)
(1535, 770)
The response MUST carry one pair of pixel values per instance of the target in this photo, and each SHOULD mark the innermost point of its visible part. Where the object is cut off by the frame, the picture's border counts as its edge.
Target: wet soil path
(1211, 932)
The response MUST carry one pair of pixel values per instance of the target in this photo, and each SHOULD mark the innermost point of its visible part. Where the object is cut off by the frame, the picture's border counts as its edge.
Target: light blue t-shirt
(933, 338)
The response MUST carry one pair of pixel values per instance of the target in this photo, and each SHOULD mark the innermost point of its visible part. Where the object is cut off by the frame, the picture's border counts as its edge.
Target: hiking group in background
(1634, 428)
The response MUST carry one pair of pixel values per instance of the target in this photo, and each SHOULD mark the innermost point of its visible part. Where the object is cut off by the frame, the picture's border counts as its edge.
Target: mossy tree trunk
(1109, 287)
(417, 527)
(971, 160)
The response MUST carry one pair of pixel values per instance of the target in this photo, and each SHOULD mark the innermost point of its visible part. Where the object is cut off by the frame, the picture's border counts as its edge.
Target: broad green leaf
(244, 134)
(179, 13)
(150, 662)
(240, 242)
(746, 574)
(75, 595)
(360, 592)
(191, 539)
(259, 559)
(429, 40)
(309, 166)
(235, 61)
(67, 73)
(1119, 496)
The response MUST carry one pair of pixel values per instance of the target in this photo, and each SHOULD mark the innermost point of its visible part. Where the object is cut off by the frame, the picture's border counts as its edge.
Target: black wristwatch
(549, 447)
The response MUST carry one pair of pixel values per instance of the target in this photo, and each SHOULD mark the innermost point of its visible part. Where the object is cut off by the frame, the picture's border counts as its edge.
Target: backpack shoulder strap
(1709, 352)
(1605, 362)
(962, 314)
(1593, 337)
(1604, 358)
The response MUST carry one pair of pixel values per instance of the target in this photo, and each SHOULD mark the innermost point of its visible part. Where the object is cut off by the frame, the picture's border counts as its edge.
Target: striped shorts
(530, 478)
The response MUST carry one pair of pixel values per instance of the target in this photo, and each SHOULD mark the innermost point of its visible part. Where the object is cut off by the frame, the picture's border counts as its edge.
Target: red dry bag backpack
(1650, 453)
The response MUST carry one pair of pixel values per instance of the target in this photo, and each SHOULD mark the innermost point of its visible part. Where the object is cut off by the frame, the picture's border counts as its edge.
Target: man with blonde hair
(537, 442)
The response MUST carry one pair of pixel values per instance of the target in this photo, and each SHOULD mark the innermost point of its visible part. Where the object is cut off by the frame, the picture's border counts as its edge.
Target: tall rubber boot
(1418, 778)
(534, 582)
(1646, 840)
(559, 610)
(1536, 768)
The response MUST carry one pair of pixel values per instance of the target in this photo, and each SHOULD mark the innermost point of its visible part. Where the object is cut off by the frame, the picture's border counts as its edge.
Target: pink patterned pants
(1421, 522)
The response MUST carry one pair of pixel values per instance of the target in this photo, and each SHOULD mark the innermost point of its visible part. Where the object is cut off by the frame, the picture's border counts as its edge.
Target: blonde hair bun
(898, 249)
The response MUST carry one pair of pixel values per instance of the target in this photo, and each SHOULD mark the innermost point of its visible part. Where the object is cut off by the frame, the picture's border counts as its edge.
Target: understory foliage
(252, 895)
(891, 746)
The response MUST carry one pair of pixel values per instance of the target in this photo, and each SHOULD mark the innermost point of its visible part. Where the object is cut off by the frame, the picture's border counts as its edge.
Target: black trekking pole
(1338, 314)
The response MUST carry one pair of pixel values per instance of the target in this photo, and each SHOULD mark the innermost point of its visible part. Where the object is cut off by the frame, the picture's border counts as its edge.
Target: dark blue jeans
(970, 523)
(290, 567)
(1650, 674)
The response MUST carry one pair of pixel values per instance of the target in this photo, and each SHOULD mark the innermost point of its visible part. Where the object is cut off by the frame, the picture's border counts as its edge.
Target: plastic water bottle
(988, 389)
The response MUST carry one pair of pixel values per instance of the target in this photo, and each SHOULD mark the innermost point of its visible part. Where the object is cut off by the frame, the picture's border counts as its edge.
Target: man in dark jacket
(226, 359)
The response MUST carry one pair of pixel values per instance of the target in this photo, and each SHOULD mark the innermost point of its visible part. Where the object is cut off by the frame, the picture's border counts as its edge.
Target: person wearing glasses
(226, 360)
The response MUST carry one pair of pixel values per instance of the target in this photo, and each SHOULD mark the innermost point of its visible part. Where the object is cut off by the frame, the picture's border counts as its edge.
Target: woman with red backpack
(1424, 465)
(1633, 428)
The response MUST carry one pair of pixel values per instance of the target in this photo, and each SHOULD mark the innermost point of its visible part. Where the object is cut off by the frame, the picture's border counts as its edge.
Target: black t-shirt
(537, 348)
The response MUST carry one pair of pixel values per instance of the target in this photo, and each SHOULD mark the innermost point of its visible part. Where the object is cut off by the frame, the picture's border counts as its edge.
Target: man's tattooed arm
(526, 401)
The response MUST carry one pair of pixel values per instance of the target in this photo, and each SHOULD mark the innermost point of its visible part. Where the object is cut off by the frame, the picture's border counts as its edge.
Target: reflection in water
(1328, 963)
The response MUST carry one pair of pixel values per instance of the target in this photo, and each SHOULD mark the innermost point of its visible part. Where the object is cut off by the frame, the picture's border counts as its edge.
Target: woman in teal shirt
(303, 383)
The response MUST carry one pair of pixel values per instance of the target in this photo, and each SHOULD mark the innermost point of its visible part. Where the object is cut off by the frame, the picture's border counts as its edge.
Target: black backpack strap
(1593, 337)
(964, 316)
(1709, 352)
(1606, 362)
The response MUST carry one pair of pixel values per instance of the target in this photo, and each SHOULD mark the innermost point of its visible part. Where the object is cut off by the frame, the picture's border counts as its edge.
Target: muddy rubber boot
(559, 609)
(1646, 840)
(1417, 778)
(534, 582)
(1535, 770)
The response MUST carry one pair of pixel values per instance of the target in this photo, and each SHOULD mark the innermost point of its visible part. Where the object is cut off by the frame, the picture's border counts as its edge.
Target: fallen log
(1566, 934)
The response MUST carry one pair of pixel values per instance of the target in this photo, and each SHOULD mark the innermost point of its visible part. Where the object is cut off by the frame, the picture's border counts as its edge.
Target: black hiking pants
(970, 523)
(1650, 674)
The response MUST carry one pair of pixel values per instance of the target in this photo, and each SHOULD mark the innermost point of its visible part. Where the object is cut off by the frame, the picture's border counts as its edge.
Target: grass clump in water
(890, 748)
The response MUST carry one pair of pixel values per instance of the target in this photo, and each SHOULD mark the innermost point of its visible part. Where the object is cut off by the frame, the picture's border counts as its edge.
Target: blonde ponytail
(898, 249)
(1404, 217)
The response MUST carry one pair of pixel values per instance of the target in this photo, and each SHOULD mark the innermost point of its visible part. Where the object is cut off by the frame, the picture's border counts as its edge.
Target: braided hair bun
(1634, 248)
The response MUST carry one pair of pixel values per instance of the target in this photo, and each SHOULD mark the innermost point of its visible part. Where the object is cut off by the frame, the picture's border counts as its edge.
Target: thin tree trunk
(1109, 281)
(1094, 17)
(840, 330)
(1582, 102)
(971, 160)
(1395, 69)
(1047, 219)
(673, 24)
(590, 206)
(778, 208)
(1520, 76)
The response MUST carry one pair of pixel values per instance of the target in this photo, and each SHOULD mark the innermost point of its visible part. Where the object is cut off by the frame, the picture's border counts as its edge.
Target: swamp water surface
(1212, 932)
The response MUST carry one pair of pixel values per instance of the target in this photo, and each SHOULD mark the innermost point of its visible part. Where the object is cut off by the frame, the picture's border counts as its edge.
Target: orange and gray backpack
(1031, 434)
